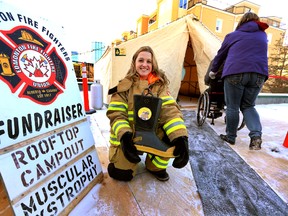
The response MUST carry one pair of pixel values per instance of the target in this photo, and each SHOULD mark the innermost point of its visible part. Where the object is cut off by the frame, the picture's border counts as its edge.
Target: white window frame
(269, 38)
(219, 24)
(235, 25)
(183, 3)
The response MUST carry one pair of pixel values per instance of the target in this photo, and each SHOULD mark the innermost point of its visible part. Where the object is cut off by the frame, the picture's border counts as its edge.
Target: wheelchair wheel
(203, 108)
(242, 123)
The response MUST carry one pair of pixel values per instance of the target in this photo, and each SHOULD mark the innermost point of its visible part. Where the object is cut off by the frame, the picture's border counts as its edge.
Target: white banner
(56, 193)
(34, 162)
(37, 79)
(47, 151)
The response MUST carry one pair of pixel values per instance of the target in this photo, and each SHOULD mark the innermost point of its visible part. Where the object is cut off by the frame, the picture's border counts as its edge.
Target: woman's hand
(181, 152)
(128, 148)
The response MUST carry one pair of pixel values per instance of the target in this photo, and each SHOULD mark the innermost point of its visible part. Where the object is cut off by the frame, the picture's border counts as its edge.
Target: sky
(90, 20)
(87, 21)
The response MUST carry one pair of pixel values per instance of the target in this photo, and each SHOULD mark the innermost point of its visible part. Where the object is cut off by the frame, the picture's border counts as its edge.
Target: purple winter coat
(245, 50)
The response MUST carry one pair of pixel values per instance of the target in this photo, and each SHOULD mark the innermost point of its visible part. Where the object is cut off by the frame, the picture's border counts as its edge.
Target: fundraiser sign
(47, 152)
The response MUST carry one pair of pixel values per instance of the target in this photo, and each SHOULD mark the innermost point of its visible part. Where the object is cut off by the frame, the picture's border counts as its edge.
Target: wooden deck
(5, 209)
(144, 195)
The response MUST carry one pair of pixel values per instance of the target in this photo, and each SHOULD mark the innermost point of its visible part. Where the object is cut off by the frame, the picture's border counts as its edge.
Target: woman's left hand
(181, 152)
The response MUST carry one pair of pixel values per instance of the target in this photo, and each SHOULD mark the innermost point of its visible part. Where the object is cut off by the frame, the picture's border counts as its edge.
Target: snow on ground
(274, 118)
(277, 129)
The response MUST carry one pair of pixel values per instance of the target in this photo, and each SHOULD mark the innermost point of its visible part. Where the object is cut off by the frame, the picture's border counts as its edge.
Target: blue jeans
(240, 92)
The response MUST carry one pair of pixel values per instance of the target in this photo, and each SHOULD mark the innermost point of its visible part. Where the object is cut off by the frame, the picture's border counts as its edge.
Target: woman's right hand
(181, 152)
(128, 148)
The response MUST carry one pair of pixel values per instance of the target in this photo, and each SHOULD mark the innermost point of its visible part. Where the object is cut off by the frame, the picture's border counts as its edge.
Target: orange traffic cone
(285, 144)
(85, 90)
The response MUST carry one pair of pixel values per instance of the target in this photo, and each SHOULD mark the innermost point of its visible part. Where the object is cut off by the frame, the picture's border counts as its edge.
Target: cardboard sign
(47, 152)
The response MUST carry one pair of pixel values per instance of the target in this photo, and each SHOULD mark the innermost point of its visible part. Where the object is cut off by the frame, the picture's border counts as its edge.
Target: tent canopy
(175, 45)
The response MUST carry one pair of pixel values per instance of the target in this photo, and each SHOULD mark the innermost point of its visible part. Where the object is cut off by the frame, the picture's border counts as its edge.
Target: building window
(235, 25)
(246, 10)
(219, 23)
(275, 24)
(152, 20)
(269, 38)
(183, 4)
(285, 40)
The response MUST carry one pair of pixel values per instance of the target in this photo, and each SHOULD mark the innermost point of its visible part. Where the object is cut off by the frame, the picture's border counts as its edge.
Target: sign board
(120, 52)
(48, 159)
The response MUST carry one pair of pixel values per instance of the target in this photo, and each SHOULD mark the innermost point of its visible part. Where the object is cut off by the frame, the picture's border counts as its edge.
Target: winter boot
(161, 175)
(255, 143)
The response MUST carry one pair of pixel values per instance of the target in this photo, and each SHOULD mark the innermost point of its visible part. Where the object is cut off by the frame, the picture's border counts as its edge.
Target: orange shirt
(152, 78)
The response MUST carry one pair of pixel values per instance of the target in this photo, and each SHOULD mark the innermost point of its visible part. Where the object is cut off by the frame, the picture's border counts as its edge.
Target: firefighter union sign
(31, 63)
(48, 159)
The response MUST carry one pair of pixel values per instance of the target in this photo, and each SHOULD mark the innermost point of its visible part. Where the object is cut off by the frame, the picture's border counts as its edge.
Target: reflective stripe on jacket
(121, 111)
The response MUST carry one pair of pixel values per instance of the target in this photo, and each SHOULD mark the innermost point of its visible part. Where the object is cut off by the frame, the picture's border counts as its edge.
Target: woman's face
(143, 64)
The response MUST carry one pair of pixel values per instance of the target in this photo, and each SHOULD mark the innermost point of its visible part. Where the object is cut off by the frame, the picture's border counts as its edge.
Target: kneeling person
(143, 75)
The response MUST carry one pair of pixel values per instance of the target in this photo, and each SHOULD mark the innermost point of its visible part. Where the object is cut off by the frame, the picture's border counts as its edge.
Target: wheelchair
(211, 103)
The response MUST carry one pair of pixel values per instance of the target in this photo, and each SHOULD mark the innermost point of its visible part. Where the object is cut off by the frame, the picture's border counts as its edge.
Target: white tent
(185, 43)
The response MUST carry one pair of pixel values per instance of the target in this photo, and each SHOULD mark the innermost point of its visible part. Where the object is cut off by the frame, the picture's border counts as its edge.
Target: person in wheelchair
(245, 72)
(215, 91)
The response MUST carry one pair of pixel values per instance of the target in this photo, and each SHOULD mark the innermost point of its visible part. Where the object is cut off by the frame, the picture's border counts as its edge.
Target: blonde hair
(132, 73)
(247, 17)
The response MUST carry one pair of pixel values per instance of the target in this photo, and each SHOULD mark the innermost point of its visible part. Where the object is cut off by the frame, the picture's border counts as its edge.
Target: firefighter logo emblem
(30, 66)
(144, 113)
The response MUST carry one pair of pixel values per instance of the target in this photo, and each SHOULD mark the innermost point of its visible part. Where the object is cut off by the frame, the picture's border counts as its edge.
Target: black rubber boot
(161, 175)
(119, 174)
(146, 113)
(225, 138)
